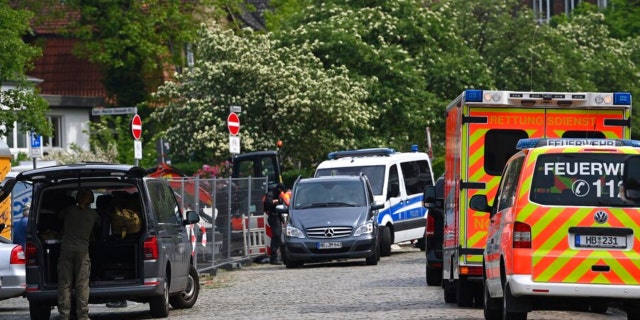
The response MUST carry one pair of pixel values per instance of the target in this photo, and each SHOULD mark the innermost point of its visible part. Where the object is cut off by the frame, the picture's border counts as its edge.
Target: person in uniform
(74, 265)
(271, 200)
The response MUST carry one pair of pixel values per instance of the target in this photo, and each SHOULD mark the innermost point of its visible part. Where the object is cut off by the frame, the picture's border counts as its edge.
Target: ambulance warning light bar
(590, 99)
(544, 142)
(361, 153)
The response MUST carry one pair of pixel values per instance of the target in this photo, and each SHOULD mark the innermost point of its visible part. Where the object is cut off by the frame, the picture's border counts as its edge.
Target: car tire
(421, 243)
(464, 293)
(373, 259)
(507, 301)
(187, 298)
(434, 276)
(39, 311)
(449, 291)
(492, 306)
(385, 242)
(159, 305)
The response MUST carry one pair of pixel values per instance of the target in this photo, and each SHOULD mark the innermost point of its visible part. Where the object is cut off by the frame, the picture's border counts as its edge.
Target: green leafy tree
(407, 48)
(285, 93)
(20, 102)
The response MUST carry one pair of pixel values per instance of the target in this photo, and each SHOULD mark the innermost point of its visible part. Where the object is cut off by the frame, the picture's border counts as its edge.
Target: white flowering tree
(411, 51)
(285, 94)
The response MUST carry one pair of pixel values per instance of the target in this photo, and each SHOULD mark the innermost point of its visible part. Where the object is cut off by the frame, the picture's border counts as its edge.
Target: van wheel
(449, 291)
(373, 259)
(492, 306)
(385, 242)
(434, 276)
(507, 301)
(420, 244)
(464, 293)
(187, 298)
(39, 311)
(159, 305)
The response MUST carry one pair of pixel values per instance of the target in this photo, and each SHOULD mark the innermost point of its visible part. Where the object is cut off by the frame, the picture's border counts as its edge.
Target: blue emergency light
(544, 142)
(473, 95)
(621, 98)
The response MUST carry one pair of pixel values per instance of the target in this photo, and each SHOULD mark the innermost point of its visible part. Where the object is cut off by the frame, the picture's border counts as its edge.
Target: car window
(577, 179)
(333, 193)
(165, 206)
(509, 184)
(375, 174)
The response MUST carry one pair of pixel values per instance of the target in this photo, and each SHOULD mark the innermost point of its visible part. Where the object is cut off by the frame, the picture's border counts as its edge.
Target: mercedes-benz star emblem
(328, 233)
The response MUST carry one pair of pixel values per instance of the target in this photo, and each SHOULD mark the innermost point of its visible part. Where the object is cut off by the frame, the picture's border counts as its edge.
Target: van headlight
(294, 232)
(364, 229)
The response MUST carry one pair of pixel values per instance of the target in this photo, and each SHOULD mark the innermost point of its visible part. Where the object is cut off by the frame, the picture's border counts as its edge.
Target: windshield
(374, 173)
(578, 179)
(329, 193)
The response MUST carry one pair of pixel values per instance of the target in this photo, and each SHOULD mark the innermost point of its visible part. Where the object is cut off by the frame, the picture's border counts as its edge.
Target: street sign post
(36, 145)
(136, 127)
(233, 123)
(234, 144)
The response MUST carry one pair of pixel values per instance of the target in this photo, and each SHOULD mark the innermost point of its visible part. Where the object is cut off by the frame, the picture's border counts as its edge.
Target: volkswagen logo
(601, 217)
(328, 233)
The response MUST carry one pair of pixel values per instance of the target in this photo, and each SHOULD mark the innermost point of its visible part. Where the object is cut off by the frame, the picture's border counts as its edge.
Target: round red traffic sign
(136, 127)
(233, 123)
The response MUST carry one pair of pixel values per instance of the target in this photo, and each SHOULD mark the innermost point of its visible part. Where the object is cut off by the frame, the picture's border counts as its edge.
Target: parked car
(12, 269)
(434, 232)
(150, 262)
(331, 218)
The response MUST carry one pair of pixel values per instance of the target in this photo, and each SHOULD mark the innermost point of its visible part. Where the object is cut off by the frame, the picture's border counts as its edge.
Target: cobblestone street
(394, 289)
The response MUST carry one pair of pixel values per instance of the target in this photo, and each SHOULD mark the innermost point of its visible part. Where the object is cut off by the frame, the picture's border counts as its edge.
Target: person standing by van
(20, 229)
(271, 200)
(74, 265)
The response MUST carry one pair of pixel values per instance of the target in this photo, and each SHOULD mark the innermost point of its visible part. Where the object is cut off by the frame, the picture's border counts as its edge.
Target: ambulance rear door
(489, 140)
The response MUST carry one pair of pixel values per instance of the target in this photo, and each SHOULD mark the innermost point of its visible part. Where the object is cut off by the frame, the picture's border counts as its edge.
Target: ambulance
(482, 130)
(561, 236)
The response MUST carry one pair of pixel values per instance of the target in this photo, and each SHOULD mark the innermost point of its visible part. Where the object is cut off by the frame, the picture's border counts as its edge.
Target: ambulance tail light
(429, 231)
(471, 270)
(521, 235)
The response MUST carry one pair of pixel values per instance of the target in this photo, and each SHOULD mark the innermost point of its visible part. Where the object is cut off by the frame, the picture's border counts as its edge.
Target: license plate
(330, 245)
(605, 242)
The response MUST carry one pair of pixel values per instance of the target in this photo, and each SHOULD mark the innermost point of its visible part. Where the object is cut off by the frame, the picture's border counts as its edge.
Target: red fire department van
(482, 130)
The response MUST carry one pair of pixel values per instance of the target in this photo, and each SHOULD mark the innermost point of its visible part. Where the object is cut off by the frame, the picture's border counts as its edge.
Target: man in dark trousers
(74, 265)
(271, 200)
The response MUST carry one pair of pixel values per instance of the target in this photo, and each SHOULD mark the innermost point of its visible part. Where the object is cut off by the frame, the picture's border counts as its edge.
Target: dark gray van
(331, 218)
(150, 262)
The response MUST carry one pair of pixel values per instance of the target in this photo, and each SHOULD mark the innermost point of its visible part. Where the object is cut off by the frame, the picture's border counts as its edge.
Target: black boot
(274, 259)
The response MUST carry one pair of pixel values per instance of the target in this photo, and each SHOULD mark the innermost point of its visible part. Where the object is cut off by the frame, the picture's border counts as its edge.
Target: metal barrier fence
(232, 223)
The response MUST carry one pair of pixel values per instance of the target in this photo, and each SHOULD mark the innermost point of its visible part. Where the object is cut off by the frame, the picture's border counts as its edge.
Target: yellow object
(5, 206)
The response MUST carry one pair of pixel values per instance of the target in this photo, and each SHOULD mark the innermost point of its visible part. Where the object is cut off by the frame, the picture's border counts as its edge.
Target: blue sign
(35, 140)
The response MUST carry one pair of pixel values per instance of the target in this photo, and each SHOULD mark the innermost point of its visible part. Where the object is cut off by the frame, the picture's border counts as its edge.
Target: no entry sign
(233, 123)
(136, 127)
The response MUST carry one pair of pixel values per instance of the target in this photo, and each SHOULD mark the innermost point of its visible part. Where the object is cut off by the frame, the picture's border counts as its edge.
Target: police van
(560, 235)
(398, 180)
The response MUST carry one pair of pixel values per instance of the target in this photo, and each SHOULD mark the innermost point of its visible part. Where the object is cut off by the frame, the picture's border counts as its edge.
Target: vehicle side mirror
(282, 209)
(6, 189)
(192, 217)
(377, 205)
(479, 203)
(394, 190)
(631, 179)
(429, 197)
